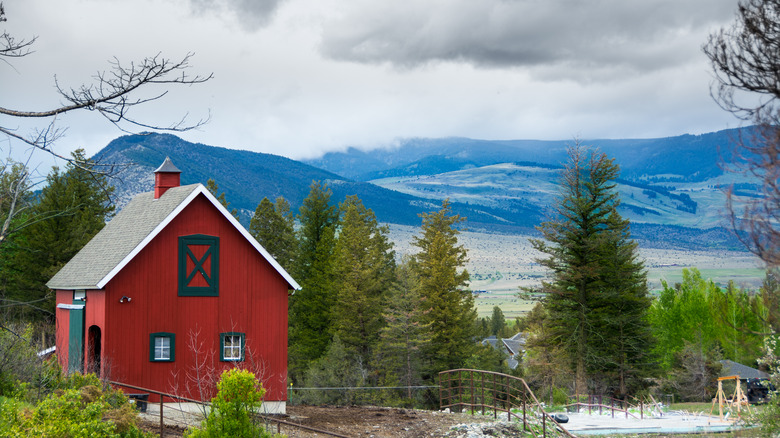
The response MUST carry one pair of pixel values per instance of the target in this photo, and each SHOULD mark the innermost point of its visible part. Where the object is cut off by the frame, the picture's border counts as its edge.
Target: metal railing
(206, 406)
(484, 391)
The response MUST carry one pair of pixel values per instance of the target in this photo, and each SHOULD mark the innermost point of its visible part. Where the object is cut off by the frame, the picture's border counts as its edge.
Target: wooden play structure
(734, 404)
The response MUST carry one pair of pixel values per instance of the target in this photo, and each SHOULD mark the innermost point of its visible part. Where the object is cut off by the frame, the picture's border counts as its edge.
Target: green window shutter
(162, 347)
(231, 346)
(199, 266)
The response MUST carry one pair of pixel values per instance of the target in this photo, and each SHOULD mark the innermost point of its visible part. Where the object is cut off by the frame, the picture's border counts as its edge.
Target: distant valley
(671, 189)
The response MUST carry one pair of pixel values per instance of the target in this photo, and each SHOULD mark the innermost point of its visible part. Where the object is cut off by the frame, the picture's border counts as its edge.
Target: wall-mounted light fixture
(125, 299)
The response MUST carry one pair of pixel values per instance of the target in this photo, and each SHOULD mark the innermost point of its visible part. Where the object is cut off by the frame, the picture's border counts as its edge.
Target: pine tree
(364, 266)
(16, 201)
(621, 313)
(497, 322)
(212, 186)
(311, 308)
(545, 364)
(448, 307)
(274, 228)
(597, 293)
(71, 209)
(402, 339)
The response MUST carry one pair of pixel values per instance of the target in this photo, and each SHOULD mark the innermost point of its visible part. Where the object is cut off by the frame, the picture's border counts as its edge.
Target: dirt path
(377, 422)
(368, 422)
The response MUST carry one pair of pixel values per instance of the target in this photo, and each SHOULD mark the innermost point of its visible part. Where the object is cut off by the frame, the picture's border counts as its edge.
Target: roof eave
(200, 189)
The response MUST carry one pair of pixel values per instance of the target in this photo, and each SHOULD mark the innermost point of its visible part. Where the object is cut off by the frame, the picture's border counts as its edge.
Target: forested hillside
(671, 188)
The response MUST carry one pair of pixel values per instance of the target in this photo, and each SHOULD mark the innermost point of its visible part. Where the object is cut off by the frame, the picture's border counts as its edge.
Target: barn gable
(131, 231)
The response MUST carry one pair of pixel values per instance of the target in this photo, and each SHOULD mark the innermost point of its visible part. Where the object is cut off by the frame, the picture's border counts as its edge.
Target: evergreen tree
(620, 314)
(364, 263)
(311, 308)
(336, 368)
(488, 358)
(71, 209)
(212, 186)
(497, 322)
(597, 291)
(448, 307)
(16, 201)
(274, 228)
(403, 337)
(545, 363)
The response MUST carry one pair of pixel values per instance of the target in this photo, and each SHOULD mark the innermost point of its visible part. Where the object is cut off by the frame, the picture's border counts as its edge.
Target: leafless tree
(745, 59)
(113, 94)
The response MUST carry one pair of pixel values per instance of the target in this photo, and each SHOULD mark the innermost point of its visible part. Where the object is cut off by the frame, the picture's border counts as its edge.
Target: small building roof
(515, 344)
(512, 347)
(131, 230)
(731, 368)
(167, 167)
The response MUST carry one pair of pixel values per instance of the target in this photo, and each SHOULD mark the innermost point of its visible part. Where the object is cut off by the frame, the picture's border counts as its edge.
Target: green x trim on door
(199, 266)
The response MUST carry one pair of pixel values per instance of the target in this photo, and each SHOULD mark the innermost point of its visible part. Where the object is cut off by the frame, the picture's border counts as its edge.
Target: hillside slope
(692, 157)
(247, 177)
(494, 194)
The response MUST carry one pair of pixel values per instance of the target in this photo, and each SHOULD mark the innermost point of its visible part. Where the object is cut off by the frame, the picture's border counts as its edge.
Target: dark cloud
(597, 38)
(251, 15)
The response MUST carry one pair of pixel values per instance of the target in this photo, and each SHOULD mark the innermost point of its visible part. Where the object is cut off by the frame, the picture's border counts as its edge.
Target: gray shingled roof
(512, 347)
(118, 239)
(167, 167)
(731, 368)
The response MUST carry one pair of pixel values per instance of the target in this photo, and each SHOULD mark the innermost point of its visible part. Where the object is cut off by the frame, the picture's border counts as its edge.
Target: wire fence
(422, 396)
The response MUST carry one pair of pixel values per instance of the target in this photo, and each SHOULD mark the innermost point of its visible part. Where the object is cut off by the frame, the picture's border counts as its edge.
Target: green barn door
(76, 337)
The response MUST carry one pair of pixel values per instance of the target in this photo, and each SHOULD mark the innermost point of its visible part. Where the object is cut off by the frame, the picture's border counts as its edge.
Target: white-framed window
(231, 346)
(162, 347)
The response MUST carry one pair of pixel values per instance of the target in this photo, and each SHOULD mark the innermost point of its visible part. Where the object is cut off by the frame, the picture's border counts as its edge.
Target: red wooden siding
(252, 300)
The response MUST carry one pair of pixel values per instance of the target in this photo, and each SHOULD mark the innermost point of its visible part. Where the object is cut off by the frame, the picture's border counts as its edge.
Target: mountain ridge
(494, 192)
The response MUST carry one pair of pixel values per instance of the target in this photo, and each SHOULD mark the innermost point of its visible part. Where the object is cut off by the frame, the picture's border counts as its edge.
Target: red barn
(171, 292)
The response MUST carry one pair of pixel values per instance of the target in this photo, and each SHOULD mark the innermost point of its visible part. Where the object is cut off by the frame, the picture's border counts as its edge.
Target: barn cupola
(165, 177)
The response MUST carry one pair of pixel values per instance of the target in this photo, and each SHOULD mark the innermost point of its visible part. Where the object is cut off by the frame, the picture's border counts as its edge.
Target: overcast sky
(300, 77)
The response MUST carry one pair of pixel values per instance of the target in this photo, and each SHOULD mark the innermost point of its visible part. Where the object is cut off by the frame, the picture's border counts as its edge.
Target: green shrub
(560, 397)
(82, 408)
(239, 397)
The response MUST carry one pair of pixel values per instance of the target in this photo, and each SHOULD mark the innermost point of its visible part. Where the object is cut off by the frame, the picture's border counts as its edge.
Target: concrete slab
(671, 422)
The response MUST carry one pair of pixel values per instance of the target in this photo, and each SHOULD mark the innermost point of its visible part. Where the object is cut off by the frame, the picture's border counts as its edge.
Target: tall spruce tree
(311, 308)
(448, 307)
(403, 337)
(212, 186)
(70, 210)
(273, 226)
(597, 295)
(497, 322)
(364, 266)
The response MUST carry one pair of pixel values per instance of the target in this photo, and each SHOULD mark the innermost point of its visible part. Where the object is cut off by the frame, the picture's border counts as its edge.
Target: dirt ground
(368, 422)
(377, 422)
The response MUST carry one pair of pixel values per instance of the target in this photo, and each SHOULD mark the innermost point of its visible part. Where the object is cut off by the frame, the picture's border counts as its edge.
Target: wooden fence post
(162, 423)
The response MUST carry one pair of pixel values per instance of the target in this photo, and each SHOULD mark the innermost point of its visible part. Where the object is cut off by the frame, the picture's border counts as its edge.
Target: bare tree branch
(113, 94)
(746, 61)
(10, 47)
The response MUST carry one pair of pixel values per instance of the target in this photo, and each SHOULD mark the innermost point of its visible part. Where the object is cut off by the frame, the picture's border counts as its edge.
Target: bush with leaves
(233, 410)
(767, 417)
(23, 374)
(84, 408)
(336, 369)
